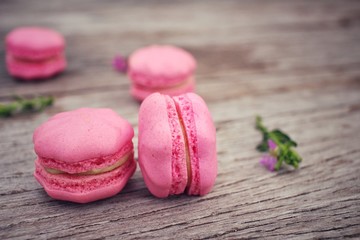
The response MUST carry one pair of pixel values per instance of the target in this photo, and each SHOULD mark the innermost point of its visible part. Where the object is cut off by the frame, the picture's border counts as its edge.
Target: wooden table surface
(296, 63)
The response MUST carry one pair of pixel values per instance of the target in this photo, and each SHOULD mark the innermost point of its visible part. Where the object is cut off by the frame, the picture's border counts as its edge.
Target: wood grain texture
(296, 63)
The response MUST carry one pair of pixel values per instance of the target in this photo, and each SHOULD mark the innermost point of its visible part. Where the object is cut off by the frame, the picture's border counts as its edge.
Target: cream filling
(188, 161)
(117, 164)
(176, 86)
(49, 59)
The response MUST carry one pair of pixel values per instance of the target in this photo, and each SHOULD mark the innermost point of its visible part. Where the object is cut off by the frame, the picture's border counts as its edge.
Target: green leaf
(259, 125)
(282, 137)
(25, 105)
(278, 164)
(262, 147)
(4, 111)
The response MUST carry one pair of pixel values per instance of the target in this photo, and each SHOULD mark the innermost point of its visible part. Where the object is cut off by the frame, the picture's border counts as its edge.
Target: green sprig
(285, 152)
(21, 105)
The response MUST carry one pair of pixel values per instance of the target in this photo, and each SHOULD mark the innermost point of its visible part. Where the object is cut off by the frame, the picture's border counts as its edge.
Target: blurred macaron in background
(34, 53)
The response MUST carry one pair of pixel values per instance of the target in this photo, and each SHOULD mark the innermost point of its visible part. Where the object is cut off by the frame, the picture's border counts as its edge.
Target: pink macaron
(84, 155)
(34, 53)
(177, 145)
(164, 69)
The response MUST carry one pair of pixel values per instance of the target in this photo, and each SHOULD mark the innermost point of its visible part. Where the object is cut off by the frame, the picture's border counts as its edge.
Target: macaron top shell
(82, 134)
(34, 43)
(155, 148)
(162, 145)
(160, 66)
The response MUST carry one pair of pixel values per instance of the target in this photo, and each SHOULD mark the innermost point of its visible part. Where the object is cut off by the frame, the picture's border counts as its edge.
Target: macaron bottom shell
(84, 189)
(140, 92)
(185, 114)
(202, 150)
(35, 70)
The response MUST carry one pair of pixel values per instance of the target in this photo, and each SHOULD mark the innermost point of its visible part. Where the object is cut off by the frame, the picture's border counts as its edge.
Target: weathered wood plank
(249, 49)
(235, 167)
(294, 62)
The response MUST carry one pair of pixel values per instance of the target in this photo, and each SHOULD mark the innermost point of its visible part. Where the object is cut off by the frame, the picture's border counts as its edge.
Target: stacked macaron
(84, 155)
(177, 145)
(34, 53)
(164, 69)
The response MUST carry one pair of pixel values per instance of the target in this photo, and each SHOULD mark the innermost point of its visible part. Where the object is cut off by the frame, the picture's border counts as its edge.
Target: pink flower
(269, 162)
(272, 145)
(120, 63)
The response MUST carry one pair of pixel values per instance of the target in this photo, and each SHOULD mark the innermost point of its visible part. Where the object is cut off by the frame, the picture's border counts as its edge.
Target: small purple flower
(269, 162)
(272, 145)
(120, 63)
